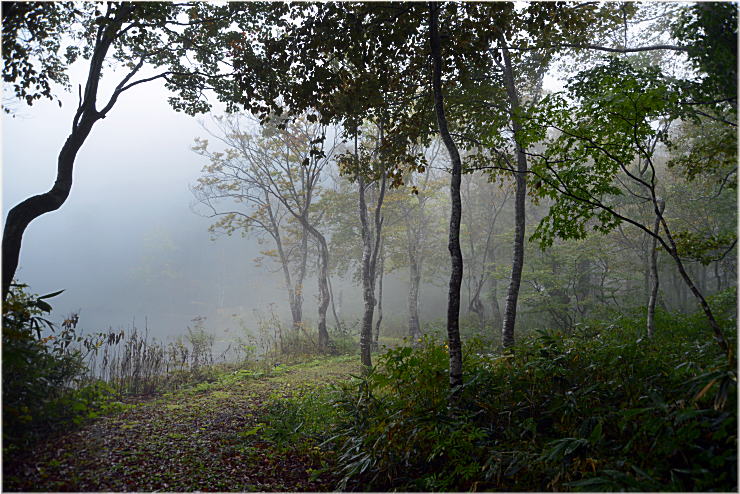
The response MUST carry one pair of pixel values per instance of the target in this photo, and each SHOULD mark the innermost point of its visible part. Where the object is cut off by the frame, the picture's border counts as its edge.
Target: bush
(42, 376)
(598, 409)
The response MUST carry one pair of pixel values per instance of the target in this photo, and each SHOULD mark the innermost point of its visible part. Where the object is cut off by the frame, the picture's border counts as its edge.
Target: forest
(451, 246)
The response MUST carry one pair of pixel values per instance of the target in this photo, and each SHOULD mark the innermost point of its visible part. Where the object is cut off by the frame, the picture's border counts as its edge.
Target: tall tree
(371, 240)
(453, 299)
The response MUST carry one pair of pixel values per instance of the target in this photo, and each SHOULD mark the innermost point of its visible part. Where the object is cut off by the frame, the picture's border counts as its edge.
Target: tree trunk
(517, 263)
(453, 301)
(368, 278)
(337, 320)
(381, 274)
(295, 297)
(301, 278)
(323, 276)
(654, 280)
(719, 335)
(497, 320)
(24, 213)
(323, 295)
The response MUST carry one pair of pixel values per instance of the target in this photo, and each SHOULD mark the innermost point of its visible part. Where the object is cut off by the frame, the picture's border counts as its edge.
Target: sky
(127, 246)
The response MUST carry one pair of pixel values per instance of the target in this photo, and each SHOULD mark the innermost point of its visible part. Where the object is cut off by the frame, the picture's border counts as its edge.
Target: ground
(207, 437)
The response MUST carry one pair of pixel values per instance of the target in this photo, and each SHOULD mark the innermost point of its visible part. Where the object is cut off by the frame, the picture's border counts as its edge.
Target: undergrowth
(599, 409)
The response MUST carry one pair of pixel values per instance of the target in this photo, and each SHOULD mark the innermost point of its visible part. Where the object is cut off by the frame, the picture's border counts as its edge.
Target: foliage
(600, 409)
(41, 40)
(709, 30)
(600, 137)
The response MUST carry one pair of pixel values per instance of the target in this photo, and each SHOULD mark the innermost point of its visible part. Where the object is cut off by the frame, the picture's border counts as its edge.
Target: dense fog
(129, 247)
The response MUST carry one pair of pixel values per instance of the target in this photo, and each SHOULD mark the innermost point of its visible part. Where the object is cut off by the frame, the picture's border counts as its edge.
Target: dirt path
(202, 438)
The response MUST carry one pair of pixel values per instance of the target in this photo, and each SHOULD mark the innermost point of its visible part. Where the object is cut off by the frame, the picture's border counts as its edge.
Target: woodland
(565, 171)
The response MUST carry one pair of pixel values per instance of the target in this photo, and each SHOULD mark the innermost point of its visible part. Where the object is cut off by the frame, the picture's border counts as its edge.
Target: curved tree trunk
(86, 116)
(453, 300)
(517, 263)
(24, 213)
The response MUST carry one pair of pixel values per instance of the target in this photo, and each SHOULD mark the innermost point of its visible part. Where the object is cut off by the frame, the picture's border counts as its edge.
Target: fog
(127, 247)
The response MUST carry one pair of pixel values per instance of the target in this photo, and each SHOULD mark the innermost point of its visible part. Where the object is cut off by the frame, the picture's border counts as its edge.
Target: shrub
(597, 409)
(42, 376)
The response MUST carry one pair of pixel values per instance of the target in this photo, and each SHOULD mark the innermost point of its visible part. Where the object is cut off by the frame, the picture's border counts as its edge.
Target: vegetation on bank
(600, 407)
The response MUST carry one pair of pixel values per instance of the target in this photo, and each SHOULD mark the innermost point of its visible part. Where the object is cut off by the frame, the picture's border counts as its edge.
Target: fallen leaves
(184, 441)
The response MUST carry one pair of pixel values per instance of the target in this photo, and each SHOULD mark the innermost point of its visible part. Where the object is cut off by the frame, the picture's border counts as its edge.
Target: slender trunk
(323, 281)
(368, 276)
(301, 277)
(324, 294)
(453, 301)
(654, 280)
(371, 241)
(381, 274)
(497, 320)
(719, 335)
(646, 264)
(517, 263)
(293, 295)
(337, 321)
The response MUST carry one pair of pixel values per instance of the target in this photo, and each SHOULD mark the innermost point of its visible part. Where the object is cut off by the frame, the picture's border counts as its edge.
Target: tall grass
(132, 363)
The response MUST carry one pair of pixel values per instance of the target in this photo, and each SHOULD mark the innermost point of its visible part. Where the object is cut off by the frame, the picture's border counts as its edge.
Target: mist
(129, 247)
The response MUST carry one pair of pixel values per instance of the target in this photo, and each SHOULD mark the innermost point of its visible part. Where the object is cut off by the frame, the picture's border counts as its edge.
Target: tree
(178, 40)
(369, 164)
(499, 133)
(599, 137)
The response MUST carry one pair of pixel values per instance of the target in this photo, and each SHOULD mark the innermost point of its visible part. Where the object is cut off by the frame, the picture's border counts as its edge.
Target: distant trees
(484, 203)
